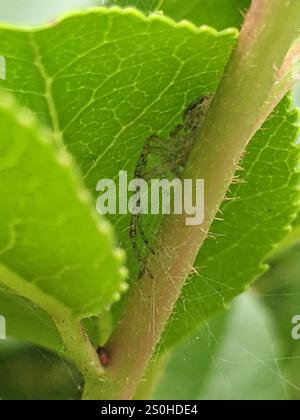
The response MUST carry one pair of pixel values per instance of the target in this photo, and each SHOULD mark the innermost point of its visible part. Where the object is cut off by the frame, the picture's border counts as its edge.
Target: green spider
(170, 157)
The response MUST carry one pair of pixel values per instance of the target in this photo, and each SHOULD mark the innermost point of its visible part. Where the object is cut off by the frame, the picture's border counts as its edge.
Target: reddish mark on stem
(104, 356)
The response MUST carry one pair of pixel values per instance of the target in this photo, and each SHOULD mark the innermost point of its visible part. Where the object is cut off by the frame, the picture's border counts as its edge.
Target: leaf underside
(52, 242)
(261, 205)
(234, 357)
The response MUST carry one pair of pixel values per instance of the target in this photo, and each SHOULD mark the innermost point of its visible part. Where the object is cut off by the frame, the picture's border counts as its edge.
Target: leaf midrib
(48, 95)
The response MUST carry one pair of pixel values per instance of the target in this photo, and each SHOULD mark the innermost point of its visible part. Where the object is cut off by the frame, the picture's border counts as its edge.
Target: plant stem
(79, 348)
(247, 94)
(76, 344)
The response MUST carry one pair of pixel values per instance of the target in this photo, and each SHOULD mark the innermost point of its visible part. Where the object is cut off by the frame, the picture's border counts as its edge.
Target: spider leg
(135, 226)
(145, 239)
(145, 270)
(133, 237)
(143, 161)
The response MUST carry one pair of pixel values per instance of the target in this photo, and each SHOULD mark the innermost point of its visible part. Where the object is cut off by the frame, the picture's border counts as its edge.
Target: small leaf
(54, 249)
(27, 322)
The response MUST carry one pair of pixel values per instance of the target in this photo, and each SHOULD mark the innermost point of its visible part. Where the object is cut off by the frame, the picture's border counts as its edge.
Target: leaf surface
(280, 291)
(92, 78)
(233, 357)
(260, 209)
(54, 249)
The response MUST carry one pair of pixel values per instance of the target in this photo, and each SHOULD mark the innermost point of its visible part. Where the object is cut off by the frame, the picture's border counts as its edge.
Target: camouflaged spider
(170, 157)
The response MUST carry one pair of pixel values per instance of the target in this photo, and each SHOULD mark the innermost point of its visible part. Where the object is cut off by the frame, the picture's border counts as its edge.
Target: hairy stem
(252, 86)
(79, 348)
(76, 344)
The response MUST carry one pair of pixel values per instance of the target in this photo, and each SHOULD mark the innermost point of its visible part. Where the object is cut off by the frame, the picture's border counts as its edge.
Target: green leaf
(291, 239)
(104, 105)
(27, 322)
(256, 216)
(231, 358)
(293, 236)
(220, 14)
(93, 78)
(54, 249)
(280, 291)
(32, 373)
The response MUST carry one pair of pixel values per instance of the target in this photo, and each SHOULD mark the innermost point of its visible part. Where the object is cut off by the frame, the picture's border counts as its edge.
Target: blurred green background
(247, 353)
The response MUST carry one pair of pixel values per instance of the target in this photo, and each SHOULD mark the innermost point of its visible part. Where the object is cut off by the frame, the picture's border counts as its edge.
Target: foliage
(81, 96)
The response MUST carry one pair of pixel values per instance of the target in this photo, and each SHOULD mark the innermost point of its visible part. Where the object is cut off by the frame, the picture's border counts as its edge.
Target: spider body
(166, 158)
